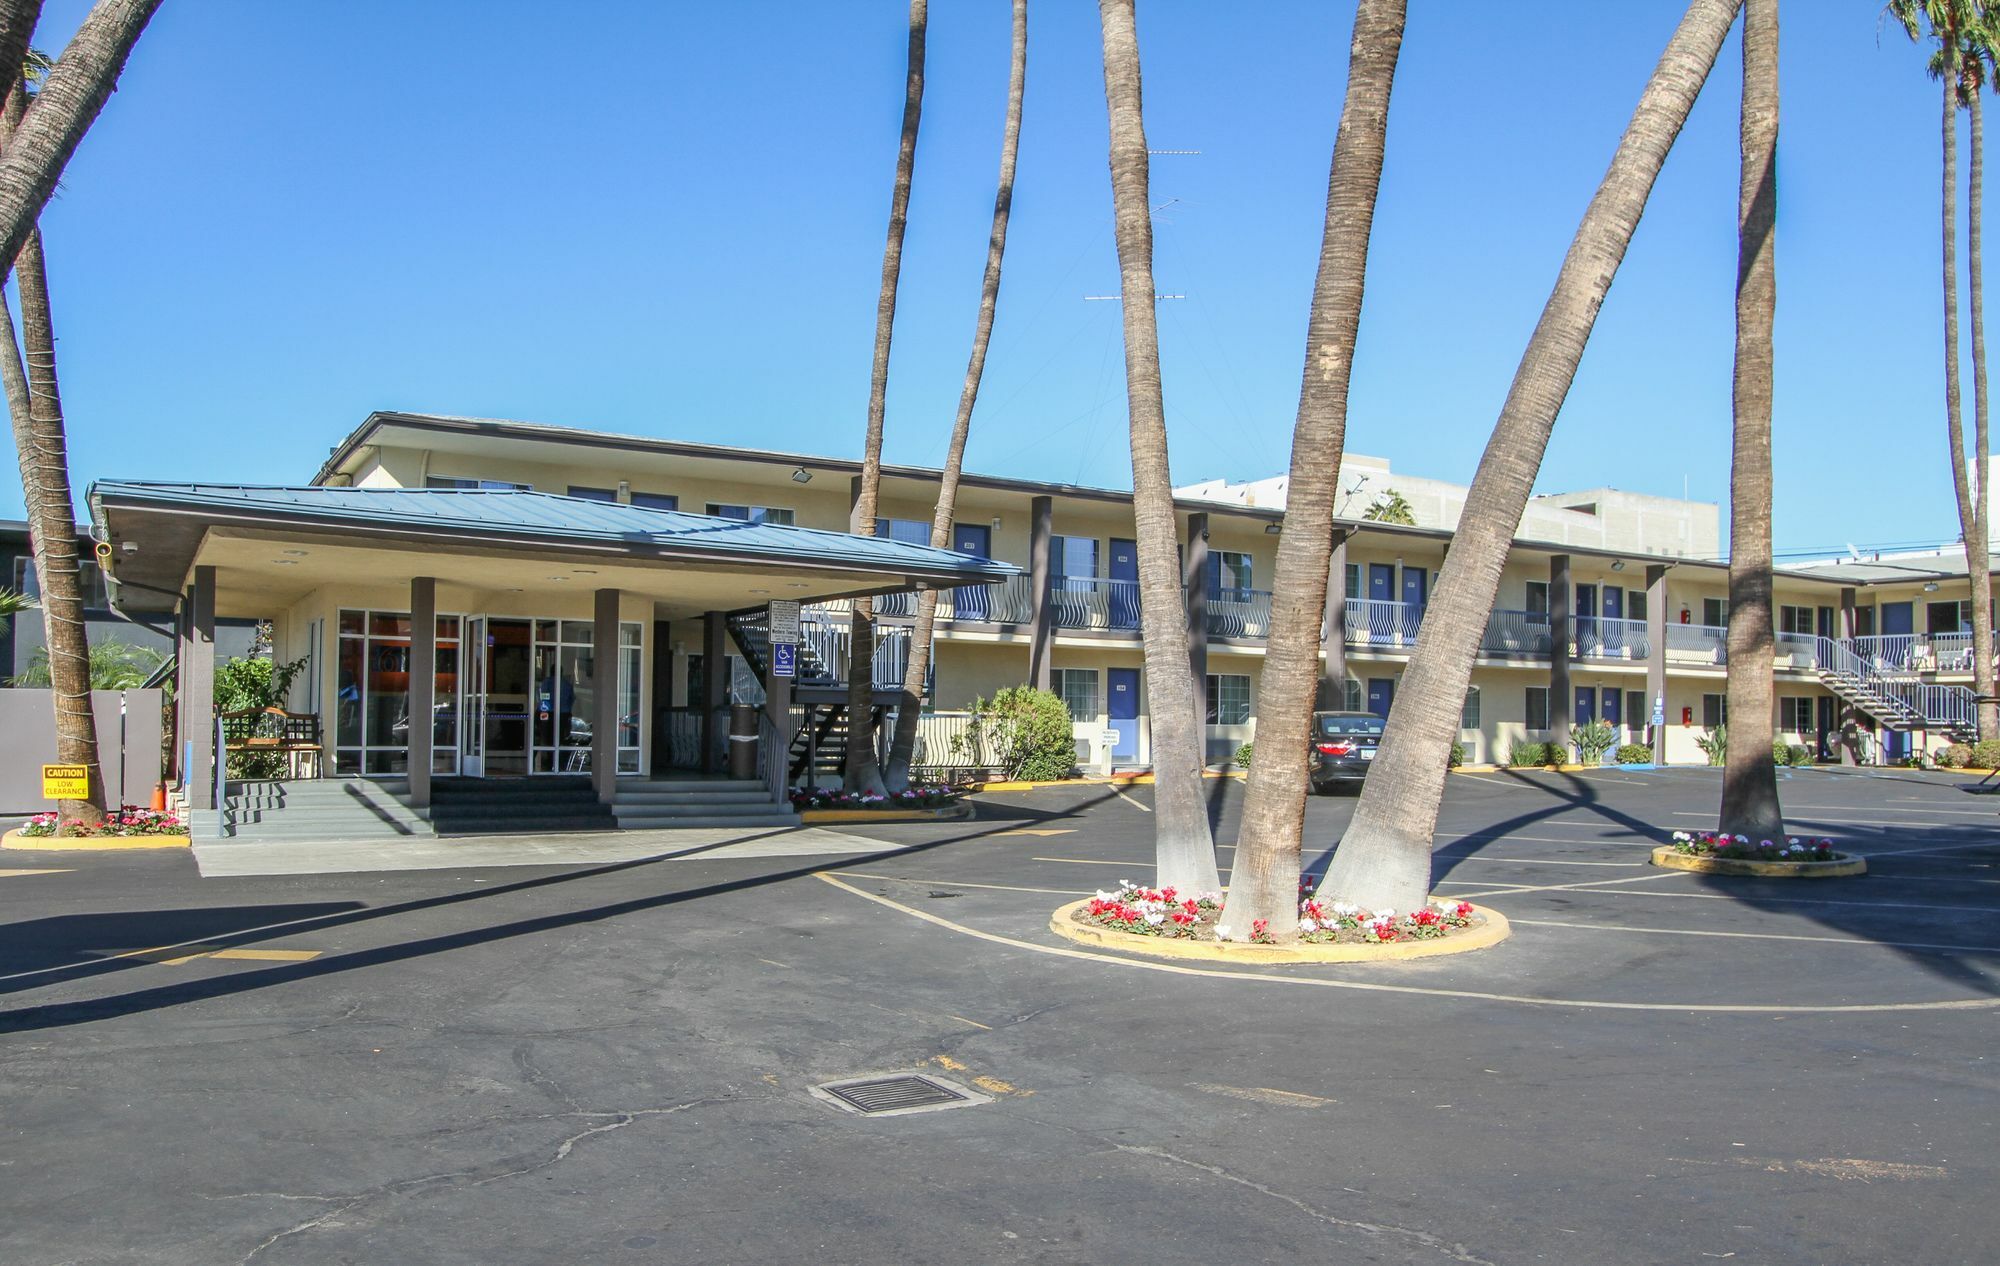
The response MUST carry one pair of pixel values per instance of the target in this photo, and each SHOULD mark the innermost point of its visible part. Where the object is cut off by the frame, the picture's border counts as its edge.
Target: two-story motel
(525, 550)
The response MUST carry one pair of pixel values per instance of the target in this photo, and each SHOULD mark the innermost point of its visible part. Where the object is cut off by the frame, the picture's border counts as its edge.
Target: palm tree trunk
(17, 27)
(44, 453)
(1264, 883)
(1384, 860)
(68, 103)
(902, 749)
(1749, 776)
(1184, 844)
(1979, 491)
(864, 771)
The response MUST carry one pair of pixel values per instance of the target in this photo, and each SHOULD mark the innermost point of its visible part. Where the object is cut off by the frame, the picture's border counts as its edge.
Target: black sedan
(1343, 746)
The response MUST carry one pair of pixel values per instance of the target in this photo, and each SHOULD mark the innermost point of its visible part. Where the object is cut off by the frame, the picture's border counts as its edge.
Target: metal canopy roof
(167, 520)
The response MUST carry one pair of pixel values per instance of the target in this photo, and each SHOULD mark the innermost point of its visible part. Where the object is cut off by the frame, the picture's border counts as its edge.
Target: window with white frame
(1078, 688)
(1635, 605)
(1795, 714)
(567, 679)
(1468, 716)
(1637, 715)
(1353, 698)
(1793, 619)
(1073, 556)
(582, 493)
(372, 694)
(1228, 699)
(1538, 708)
(1714, 710)
(905, 531)
(1715, 612)
(656, 501)
(751, 514)
(1230, 574)
(462, 484)
(1538, 601)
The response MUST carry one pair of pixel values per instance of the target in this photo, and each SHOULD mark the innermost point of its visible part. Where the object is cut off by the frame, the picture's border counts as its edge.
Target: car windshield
(1350, 725)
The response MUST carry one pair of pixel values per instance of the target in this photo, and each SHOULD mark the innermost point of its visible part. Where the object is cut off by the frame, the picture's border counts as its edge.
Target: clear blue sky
(668, 219)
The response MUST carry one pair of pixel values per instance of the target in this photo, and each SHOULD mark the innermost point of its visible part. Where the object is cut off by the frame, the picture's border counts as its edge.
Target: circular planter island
(1713, 853)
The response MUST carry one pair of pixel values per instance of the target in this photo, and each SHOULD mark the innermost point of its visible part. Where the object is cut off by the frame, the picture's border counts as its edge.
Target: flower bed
(127, 821)
(1166, 913)
(934, 796)
(1741, 848)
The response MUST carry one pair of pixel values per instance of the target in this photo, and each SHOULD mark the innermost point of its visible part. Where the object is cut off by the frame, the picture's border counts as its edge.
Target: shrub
(1529, 755)
(1985, 754)
(1954, 756)
(1593, 741)
(1635, 754)
(1243, 755)
(1457, 756)
(1798, 756)
(254, 681)
(1714, 744)
(1027, 734)
(1781, 753)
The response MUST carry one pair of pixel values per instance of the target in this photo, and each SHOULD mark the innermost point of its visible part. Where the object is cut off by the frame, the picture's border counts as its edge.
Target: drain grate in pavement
(890, 1095)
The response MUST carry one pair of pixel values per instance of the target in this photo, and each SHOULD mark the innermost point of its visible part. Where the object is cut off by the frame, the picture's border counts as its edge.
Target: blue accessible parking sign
(784, 659)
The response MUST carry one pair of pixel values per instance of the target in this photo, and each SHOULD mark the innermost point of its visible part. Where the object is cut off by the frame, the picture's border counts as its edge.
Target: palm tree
(908, 711)
(1964, 38)
(1392, 507)
(113, 665)
(67, 105)
(863, 770)
(42, 446)
(1264, 884)
(1749, 779)
(1184, 844)
(1384, 858)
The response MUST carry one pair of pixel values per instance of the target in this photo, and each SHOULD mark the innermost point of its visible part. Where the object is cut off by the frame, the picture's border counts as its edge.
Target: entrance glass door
(472, 715)
(504, 704)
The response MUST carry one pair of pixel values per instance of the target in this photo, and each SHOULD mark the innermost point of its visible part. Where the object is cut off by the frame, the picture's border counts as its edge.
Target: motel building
(585, 619)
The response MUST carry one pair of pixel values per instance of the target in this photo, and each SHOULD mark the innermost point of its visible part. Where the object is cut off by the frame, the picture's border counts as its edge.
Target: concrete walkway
(219, 858)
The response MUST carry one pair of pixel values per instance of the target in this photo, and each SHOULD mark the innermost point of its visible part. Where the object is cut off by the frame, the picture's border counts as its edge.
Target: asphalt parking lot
(614, 1063)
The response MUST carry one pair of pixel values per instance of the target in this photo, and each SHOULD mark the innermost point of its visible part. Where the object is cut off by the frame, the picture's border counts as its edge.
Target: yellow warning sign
(65, 782)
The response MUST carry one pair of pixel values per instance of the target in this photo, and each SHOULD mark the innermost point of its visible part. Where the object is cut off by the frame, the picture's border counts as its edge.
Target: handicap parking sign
(784, 659)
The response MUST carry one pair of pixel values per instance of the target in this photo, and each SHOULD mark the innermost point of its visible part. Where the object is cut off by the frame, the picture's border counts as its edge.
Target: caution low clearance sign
(65, 782)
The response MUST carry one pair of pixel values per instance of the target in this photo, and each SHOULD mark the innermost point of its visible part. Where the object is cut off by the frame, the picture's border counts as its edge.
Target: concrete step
(646, 821)
(733, 809)
(329, 818)
(526, 825)
(713, 798)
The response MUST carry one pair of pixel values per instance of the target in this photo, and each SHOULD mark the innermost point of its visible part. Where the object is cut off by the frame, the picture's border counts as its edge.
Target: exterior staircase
(262, 810)
(1898, 700)
(552, 805)
(660, 803)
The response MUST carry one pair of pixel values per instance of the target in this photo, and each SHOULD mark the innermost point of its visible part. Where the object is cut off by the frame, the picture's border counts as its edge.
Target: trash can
(743, 741)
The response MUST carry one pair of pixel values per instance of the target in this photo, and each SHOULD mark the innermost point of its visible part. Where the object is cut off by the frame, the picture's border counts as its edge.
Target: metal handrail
(1375, 622)
(1094, 602)
(1600, 637)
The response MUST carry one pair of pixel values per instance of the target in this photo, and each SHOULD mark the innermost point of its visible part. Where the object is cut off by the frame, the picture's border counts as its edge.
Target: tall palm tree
(1749, 779)
(1184, 844)
(903, 749)
(67, 105)
(1384, 860)
(1264, 884)
(1963, 38)
(42, 446)
(864, 771)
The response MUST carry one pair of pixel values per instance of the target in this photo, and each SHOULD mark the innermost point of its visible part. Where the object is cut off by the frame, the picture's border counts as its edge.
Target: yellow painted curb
(97, 844)
(1840, 867)
(1134, 780)
(822, 817)
(1064, 924)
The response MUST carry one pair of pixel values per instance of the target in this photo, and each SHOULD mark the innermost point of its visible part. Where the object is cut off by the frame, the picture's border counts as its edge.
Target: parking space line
(1139, 805)
(959, 883)
(1757, 936)
(1487, 891)
(1806, 901)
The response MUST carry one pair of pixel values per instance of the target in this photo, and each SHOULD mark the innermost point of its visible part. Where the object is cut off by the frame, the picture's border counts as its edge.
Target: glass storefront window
(372, 694)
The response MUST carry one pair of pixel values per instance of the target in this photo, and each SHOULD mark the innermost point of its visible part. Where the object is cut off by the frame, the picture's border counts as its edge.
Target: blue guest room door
(1125, 586)
(975, 540)
(1123, 708)
(1381, 695)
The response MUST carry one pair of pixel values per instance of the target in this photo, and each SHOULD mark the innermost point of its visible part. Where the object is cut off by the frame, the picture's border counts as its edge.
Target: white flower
(1345, 910)
(1105, 896)
(1154, 918)
(1223, 932)
(1307, 927)
(1682, 836)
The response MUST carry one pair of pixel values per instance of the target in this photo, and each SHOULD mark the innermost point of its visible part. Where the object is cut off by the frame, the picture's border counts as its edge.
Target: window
(1538, 707)
(593, 494)
(1228, 574)
(1637, 714)
(1715, 612)
(1635, 604)
(906, 531)
(372, 722)
(1353, 577)
(751, 514)
(1078, 688)
(1795, 714)
(455, 482)
(1714, 710)
(656, 501)
(1864, 621)
(565, 689)
(1795, 620)
(1072, 556)
(1468, 716)
(1228, 699)
(1352, 698)
(89, 581)
(1538, 601)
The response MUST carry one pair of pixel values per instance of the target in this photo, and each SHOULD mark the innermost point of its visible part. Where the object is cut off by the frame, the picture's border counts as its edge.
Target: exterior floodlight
(800, 475)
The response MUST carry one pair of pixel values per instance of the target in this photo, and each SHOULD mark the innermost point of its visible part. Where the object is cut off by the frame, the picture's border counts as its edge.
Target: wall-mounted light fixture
(1931, 587)
(800, 475)
(996, 523)
(1272, 529)
(1618, 565)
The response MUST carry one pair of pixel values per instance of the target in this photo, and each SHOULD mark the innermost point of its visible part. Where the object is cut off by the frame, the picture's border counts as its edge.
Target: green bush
(1593, 741)
(1714, 744)
(1781, 752)
(1022, 732)
(1635, 754)
(1457, 756)
(1529, 755)
(1798, 756)
(1243, 755)
(1985, 755)
(254, 681)
(1954, 756)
